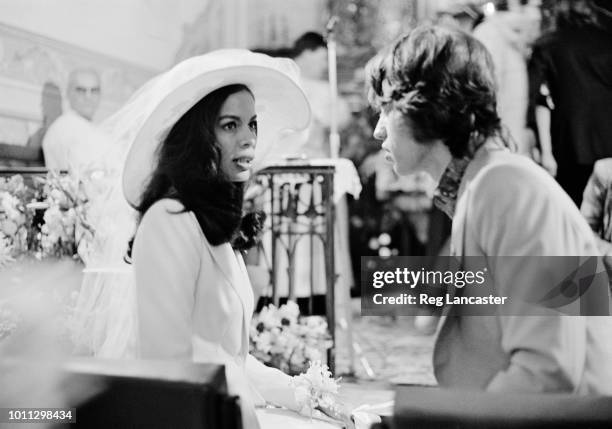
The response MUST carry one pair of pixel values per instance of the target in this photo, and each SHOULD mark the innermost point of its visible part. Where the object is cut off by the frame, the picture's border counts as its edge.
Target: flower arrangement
(284, 340)
(316, 390)
(15, 217)
(45, 217)
(65, 224)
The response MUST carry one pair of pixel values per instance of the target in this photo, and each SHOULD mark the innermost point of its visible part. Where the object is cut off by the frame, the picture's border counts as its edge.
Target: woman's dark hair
(442, 80)
(188, 170)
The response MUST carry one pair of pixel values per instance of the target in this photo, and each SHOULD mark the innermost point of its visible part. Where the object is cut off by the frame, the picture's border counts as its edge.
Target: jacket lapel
(228, 264)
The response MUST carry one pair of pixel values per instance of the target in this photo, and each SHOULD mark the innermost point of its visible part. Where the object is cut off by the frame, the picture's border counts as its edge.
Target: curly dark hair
(188, 170)
(442, 80)
(576, 13)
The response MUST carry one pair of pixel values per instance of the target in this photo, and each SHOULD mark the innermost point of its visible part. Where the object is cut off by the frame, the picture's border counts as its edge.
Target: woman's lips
(243, 163)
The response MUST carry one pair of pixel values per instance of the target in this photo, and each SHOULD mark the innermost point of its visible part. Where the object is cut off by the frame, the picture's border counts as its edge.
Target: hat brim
(280, 104)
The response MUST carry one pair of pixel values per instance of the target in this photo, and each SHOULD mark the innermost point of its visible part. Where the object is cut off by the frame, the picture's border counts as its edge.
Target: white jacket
(195, 303)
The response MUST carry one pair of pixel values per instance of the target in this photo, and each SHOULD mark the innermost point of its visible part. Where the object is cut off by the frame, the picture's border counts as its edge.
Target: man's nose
(380, 133)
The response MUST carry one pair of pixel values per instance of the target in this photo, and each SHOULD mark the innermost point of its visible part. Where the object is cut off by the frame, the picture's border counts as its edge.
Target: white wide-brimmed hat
(280, 104)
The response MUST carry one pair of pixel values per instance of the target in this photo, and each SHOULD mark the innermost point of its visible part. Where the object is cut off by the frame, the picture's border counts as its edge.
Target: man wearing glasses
(72, 141)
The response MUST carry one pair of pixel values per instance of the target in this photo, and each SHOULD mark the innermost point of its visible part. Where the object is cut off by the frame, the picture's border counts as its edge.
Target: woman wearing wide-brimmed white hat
(194, 134)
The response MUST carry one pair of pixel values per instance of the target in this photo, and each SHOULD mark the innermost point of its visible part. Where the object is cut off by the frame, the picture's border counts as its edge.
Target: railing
(294, 216)
(24, 171)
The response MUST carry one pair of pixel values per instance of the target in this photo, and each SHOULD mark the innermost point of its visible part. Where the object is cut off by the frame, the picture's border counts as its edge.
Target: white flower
(320, 377)
(8, 227)
(263, 342)
(315, 388)
(53, 216)
(269, 317)
(289, 311)
(312, 354)
(15, 184)
(56, 195)
(9, 205)
(279, 345)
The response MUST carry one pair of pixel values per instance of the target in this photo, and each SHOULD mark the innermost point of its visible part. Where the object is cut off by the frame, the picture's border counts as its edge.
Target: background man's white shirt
(74, 143)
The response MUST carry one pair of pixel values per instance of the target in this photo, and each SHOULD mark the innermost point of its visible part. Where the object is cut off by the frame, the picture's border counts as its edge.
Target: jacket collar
(458, 174)
(447, 192)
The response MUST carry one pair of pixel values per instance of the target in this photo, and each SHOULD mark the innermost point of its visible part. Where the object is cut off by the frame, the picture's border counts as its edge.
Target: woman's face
(236, 134)
(399, 144)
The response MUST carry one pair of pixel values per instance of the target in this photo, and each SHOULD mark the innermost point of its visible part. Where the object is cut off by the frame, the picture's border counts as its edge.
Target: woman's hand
(339, 412)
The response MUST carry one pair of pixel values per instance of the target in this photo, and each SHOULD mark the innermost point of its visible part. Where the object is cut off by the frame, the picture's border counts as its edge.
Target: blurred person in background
(310, 54)
(507, 34)
(73, 142)
(571, 86)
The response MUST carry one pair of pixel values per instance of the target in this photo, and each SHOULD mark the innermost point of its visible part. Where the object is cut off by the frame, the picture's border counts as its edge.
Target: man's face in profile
(84, 93)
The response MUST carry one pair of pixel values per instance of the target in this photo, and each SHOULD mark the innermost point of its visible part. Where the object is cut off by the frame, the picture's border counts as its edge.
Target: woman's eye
(229, 126)
(253, 126)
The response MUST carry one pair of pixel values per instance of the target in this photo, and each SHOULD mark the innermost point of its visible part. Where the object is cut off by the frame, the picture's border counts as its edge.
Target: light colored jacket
(195, 303)
(508, 206)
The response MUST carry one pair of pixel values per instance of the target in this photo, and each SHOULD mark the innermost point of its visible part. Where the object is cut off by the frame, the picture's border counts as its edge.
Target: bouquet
(316, 390)
(284, 340)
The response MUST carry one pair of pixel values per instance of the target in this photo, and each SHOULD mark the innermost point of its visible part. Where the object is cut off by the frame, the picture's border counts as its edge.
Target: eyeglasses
(82, 90)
